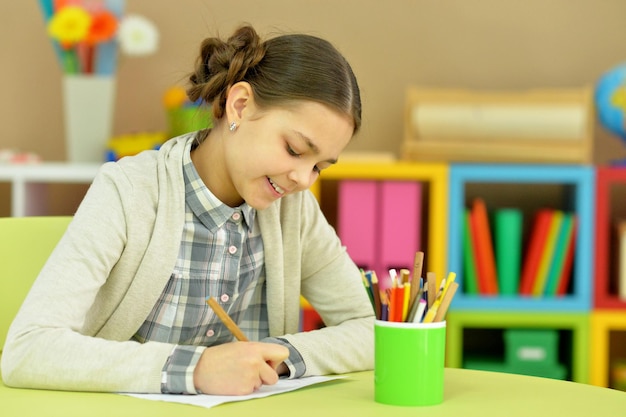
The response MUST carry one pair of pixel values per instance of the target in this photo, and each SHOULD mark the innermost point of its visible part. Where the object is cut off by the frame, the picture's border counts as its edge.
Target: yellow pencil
(449, 280)
(445, 303)
(405, 302)
(430, 314)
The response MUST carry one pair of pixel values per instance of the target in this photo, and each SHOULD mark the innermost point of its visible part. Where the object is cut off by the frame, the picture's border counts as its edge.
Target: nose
(302, 176)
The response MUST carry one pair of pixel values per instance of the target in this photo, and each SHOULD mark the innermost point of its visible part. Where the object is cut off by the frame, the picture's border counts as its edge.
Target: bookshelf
(372, 172)
(433, 177)
(530, 188)
(575, 192)
(449, 189)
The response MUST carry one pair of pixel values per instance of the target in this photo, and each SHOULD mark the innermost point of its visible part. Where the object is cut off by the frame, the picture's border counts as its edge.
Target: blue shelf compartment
(580, 177)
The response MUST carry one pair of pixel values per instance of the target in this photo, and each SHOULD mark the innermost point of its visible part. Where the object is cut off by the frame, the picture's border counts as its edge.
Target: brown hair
(280, 70)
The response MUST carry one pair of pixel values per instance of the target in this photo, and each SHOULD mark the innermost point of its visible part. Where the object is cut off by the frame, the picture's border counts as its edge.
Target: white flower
(137, 35)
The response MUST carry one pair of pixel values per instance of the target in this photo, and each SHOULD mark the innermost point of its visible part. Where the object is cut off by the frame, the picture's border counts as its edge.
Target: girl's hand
(238, 368)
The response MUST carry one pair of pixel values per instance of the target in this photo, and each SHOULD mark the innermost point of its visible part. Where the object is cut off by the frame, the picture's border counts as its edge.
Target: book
(357, 205)
(559, 259)
(547, 254)
(400, 223)
(470, 279)
(483, 248)
(566, 273)
(534, 250)
(508, 248)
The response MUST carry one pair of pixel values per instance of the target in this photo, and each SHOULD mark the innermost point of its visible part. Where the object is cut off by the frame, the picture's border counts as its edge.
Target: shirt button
(210, 333)
(232, 250)
(236, 216)
(224, 298)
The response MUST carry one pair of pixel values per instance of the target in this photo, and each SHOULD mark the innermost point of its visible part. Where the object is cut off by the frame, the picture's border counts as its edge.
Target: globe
(610, 99)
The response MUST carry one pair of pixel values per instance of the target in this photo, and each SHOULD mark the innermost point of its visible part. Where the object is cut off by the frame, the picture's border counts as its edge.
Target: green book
(508, 248)
(470, 278)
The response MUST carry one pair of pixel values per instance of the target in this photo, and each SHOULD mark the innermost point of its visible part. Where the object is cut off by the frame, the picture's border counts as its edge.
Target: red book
(566, 274)
(483, 249)
(534, 250)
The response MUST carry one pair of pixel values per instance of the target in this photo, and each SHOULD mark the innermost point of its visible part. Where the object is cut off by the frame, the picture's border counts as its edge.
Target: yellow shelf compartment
(606, 326)
(435, 174)
(576, 323)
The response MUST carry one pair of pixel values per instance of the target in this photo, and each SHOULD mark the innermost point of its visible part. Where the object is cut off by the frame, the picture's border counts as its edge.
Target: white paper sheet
(208, 401)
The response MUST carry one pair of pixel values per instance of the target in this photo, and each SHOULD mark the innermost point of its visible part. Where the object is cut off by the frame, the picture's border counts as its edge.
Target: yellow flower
(69, 25)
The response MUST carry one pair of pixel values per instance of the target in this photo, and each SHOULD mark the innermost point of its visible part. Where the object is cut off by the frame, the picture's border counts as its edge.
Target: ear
(239, 102)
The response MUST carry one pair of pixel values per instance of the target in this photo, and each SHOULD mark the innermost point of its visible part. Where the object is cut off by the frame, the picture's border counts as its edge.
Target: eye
(291, 151)
(317, 169)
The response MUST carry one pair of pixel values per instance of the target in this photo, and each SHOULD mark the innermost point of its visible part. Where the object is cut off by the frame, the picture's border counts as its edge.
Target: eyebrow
(312, 146)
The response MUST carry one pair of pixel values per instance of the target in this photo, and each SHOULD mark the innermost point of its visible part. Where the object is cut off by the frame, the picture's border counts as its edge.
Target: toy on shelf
(183, 115)
(132, 143)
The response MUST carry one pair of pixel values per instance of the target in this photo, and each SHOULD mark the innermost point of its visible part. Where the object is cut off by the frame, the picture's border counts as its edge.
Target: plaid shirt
(221, 255)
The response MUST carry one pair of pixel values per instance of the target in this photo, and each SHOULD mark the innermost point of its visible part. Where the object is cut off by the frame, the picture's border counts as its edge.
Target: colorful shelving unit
(586, 321)
(433, 175)
(579, 198)
(576, 359)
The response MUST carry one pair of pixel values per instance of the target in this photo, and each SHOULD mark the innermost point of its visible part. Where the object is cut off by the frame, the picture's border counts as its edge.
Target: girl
(225, 213)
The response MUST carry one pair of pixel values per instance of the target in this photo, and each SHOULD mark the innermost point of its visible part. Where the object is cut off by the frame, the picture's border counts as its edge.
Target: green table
(467, 393)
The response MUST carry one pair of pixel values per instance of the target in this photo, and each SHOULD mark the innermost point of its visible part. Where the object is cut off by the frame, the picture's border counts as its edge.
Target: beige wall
(484, 44)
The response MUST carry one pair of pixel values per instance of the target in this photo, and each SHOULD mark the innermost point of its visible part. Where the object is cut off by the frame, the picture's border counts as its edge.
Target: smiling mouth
(276, 187)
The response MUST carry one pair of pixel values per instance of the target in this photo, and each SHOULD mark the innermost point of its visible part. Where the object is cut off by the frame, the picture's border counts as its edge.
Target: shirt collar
(204, 204)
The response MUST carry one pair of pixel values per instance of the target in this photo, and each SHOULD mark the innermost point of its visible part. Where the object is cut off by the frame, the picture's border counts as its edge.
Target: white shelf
(29, 183)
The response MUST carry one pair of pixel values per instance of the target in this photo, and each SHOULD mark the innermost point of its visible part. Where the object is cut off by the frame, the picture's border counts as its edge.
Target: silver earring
(232, 127)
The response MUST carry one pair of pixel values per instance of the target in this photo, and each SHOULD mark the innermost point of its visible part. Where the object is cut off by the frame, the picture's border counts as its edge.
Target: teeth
(276, 187)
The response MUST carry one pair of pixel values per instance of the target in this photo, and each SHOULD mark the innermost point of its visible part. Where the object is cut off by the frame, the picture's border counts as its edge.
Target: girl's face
(281, 151)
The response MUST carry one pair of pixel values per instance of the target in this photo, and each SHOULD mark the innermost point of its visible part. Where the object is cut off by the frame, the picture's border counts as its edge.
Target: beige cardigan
(73, 331)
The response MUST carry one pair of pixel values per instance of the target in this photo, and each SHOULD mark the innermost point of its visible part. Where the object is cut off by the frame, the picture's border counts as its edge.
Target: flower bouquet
(87, 36)
(87, 33)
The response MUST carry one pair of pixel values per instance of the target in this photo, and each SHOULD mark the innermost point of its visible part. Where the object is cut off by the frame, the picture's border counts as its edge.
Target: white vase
(88, 109)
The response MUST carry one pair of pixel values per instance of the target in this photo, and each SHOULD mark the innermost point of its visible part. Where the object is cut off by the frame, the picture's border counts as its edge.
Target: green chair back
(25, 245)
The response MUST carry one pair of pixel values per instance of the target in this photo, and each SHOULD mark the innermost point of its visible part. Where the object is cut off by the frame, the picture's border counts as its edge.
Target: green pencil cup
(409, 363)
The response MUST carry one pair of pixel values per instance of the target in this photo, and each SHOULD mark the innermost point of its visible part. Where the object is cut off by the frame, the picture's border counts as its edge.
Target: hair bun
(222, 64)
(248, 51)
